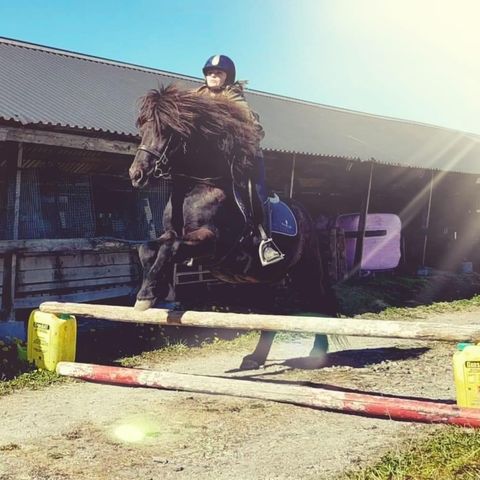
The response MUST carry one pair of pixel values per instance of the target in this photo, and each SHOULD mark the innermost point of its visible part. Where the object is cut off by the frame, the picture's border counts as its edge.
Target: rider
(219, 72)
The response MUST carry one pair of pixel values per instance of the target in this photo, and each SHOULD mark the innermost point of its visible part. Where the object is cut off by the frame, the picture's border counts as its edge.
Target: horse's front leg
(259, 356)
(158, 267)
(196, 244)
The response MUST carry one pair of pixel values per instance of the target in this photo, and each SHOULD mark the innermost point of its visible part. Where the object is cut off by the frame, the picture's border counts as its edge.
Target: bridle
(162, 166)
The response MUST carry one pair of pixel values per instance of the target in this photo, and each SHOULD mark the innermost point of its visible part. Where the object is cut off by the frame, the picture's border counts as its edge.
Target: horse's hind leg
(320, 346)
(260, 354)
(316, 295)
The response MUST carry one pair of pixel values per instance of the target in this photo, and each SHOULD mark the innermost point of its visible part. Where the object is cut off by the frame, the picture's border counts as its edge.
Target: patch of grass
(357, 296)
(424, 311)
(33, 380)
(375, 294)
(451, 453)
(17, 373)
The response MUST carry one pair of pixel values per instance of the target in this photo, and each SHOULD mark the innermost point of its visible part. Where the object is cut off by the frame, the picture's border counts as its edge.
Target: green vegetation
(425, 311)
(381, 292)
(11, 364)
(448, 453)
(33, 380)
(16, 373)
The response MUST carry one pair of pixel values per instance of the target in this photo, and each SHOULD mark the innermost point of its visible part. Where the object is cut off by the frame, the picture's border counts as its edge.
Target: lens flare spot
(135, 430)
(129, 433)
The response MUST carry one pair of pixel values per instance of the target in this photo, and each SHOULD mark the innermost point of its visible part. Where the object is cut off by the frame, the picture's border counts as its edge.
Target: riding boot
(268, 251)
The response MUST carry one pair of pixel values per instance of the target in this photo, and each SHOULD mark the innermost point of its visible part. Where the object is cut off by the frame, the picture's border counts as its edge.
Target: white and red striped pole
(372, 405)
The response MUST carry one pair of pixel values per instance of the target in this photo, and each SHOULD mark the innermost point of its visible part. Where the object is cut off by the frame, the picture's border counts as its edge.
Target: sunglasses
(214, 72)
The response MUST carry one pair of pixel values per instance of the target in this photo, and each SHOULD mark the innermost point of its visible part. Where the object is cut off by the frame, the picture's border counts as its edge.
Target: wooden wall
(85, 277)
(81, 270)
(51, 252)
(1, 276)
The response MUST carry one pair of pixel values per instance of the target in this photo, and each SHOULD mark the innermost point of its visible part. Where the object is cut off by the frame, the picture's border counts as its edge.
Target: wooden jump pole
(358, 403)
(291, 323)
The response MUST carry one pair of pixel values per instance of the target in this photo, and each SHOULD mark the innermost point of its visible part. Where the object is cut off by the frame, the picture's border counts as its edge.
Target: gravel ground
(83, 430)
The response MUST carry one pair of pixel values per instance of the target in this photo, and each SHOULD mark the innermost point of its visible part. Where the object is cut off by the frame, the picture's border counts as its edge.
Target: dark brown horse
(201, 144)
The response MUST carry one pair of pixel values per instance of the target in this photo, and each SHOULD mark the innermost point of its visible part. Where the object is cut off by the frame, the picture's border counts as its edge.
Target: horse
(205, 147)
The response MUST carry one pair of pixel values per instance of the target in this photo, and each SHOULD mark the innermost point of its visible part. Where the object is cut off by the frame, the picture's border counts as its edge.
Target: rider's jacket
(253, 213)
(235, 93)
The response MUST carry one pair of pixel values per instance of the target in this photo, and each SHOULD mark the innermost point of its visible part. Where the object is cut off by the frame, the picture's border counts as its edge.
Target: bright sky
(412, 59)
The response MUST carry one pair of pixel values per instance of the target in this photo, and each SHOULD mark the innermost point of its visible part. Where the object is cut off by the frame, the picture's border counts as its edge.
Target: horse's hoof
(249, 364)
(142, 305)
(318, 353)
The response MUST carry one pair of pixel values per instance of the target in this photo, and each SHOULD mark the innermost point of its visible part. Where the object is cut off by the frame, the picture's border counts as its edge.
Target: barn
(70, 221)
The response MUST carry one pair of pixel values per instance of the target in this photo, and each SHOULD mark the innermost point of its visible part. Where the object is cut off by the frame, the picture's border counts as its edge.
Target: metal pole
(427, 221)
(292, 174)
(362, 225)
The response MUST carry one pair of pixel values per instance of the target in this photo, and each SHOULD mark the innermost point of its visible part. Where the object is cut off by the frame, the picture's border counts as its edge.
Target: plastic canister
(51, 339)
(466, 373)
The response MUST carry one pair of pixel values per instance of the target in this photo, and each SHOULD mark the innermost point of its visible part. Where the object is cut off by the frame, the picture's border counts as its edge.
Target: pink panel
(379, 252)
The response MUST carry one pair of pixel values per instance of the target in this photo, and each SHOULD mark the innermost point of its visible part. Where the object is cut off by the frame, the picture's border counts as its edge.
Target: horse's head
(151, 158)
(171, 118)
(159, 125)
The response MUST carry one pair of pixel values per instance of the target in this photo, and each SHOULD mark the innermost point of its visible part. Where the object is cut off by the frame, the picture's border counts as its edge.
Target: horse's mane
(217, 120)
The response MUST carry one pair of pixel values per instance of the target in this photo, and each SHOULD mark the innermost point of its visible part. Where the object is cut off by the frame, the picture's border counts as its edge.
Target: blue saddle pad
(282, 219)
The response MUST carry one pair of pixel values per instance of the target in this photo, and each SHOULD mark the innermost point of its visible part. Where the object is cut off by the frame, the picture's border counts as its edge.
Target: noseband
(162, 164)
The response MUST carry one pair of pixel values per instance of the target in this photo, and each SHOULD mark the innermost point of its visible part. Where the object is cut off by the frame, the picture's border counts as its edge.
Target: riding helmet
(221, 62)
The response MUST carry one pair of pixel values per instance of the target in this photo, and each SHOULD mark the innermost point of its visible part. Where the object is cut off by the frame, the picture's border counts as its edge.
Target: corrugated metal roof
(48, 86)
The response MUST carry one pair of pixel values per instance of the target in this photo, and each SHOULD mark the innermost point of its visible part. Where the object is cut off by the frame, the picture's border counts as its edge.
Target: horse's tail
(311, 268)
(311, 276)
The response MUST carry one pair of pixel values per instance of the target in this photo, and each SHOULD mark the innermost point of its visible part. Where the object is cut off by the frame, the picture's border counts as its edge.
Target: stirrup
(268, 252)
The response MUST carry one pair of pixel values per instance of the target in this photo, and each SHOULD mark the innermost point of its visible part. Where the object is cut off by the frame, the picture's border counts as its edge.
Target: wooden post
(253, 321)
(7, 306)
(68, 140)
(393, 408)
(72, 245)
(362, 225)
(341, 254)
(18, 186)
(333, 273)
(12, 267)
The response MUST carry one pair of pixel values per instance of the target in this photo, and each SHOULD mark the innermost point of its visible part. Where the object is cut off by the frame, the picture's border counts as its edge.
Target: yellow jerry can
(466, 373)
(51, 339)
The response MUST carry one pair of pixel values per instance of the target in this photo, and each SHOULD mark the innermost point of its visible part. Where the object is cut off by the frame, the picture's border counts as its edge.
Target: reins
(206, 180)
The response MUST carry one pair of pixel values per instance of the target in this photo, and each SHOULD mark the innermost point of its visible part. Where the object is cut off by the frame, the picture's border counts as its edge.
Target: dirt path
(70, 431)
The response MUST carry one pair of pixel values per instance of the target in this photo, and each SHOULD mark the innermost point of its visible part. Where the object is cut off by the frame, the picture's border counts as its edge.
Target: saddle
(282, 219)
(279, 217)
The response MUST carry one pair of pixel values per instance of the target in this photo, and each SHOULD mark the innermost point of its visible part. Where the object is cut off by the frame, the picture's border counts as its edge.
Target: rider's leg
(269, 253)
